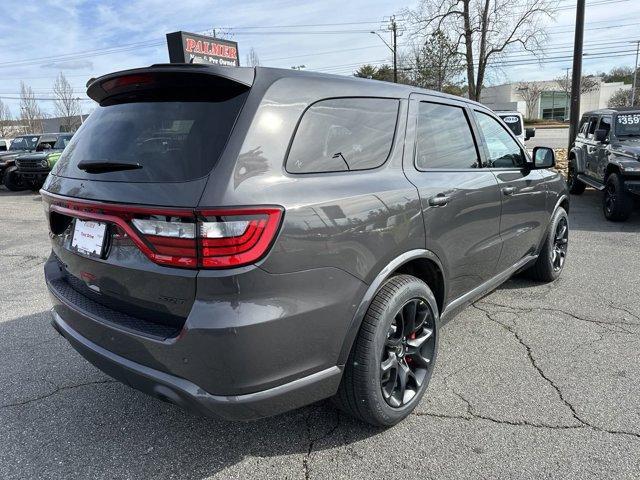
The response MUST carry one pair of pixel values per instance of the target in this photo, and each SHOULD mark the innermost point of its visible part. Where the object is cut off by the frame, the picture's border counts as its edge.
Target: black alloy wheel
(617, 203)
(560, 243)
(610, 198)
(394, 354)
(407, 353)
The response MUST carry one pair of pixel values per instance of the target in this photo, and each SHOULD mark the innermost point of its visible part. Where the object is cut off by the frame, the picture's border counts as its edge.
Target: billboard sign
(185, 47)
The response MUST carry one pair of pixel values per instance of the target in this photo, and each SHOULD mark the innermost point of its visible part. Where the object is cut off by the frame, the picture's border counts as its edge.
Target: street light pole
(635, 75)
(576, 74)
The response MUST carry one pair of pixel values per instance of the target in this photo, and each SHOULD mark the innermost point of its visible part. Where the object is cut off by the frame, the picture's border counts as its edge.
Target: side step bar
(590, 181)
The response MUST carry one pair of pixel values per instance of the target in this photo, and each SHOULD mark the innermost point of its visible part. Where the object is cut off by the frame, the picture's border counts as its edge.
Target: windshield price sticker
(510, 119)
(629, 119)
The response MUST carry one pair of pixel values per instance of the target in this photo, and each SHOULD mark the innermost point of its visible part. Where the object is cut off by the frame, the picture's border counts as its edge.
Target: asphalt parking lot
(549, 137)
(534, 381)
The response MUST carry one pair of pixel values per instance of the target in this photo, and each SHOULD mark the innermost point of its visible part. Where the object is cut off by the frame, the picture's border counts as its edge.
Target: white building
(553, 102)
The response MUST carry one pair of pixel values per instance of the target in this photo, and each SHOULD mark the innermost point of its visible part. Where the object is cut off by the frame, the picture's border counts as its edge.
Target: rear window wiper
(101, 166)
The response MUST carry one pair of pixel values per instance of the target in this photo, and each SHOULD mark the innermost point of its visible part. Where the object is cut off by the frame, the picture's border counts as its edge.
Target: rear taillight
(222, 238)
(236, 237)
(212, 238)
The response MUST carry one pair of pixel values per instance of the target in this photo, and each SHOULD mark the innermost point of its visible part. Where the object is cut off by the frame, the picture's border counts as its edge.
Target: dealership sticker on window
(630, 119)
(510, 119)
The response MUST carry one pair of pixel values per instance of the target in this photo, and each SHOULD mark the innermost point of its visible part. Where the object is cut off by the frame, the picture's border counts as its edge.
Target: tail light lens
(234, 238)
(212, 238)
(223, 238)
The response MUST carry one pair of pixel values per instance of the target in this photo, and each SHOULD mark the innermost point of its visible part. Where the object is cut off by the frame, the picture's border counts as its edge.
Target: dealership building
(553, 102)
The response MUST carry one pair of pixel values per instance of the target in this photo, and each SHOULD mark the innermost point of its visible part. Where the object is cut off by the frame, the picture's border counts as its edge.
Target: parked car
(606, 156)
(33, 168)
(515, 121)
(242, 242)
(22, 144)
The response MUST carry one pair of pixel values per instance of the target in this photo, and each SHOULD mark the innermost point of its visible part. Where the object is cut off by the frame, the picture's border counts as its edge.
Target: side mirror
(600, 135)
(529, 133)
(543, 157)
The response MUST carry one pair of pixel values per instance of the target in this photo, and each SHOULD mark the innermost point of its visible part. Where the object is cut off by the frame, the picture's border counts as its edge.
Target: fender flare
(579, 159)
(374, 286)
(561, 198)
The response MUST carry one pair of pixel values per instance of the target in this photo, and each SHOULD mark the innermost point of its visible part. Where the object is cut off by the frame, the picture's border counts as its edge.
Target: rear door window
(173, 141)
(344, 134)
(444, 139)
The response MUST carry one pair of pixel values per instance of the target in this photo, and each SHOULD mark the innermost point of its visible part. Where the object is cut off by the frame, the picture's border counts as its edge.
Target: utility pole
(635, 75)
(394, 28)
(576, 75)
(566, 103)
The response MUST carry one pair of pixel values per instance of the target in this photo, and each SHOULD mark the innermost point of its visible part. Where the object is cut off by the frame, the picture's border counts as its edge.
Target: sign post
(185, 47)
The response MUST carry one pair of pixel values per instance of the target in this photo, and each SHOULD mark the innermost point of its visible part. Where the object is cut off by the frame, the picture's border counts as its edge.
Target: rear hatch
(121, 199)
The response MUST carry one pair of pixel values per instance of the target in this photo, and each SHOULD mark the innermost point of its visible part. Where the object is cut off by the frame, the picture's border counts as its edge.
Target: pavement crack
(543, 375)
(618, 326)
(57, 390)
(313, 441)
(624, 309)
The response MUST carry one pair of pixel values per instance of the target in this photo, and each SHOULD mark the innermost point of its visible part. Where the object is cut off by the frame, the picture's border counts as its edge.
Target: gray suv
(242, 242)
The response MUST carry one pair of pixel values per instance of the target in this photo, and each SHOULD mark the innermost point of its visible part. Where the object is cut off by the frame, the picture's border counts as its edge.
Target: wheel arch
(421, 263)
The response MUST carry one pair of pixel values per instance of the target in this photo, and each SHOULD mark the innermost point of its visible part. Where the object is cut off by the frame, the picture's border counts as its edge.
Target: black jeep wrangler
(606, 156)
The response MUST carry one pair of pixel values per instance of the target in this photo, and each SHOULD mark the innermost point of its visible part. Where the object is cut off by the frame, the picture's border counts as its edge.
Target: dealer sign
(185, 47)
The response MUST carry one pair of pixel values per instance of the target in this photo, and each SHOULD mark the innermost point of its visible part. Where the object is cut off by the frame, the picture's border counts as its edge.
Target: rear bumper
(254, 344)
(191, 397)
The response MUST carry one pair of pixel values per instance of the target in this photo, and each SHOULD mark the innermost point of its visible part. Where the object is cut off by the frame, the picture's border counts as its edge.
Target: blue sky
(100, 37)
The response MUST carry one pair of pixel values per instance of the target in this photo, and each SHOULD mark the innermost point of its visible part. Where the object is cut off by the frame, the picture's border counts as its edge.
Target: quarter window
(444, 138)
(343, 134)
(503, 151)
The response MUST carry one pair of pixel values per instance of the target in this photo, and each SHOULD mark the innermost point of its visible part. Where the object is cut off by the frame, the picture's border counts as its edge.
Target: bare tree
(30, 113)
(252, 59)
(5, 119)
(530, 92)
(483, 31)
(587, 84)
(67, 104)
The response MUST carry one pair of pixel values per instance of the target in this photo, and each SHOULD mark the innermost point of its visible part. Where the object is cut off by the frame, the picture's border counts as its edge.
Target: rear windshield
(173, 141)
(513, 122)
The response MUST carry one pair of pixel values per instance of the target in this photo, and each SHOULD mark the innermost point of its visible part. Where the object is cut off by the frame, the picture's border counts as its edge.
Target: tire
(412, 355)
(12, 180)
(617, 202)
(576, 187)
(553, 254)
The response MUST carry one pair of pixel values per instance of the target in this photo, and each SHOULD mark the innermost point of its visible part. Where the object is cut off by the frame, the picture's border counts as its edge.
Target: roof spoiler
(140, 79)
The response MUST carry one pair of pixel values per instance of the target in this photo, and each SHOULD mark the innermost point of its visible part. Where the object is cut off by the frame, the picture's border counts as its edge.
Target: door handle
(509, 190)
(439, 200)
